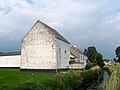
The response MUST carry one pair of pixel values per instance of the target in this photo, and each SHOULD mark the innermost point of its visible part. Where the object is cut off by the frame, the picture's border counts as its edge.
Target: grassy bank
(74, 80)
(13, 79)
(113, 82)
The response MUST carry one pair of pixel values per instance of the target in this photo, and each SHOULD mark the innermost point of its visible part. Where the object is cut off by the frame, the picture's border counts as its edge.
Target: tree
(117, 51)
(90, 53)
(94, 56)
(99, 59)
(115, 59)
(85, 52)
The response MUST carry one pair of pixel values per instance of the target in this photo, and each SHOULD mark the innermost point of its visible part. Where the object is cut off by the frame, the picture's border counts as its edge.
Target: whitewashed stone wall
(83, 59)
(77, 66)
(63, 54)
(38, 49)
(10, 61)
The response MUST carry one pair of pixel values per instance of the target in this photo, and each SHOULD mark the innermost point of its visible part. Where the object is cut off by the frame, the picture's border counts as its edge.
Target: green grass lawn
(11, 77)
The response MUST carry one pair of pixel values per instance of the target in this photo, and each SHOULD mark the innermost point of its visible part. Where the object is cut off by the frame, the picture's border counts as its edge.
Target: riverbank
(13, 79)
(113, 83)
(73, 80)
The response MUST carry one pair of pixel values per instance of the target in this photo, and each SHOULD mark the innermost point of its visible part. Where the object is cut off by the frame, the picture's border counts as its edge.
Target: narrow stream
(105, 78)
(100, 82)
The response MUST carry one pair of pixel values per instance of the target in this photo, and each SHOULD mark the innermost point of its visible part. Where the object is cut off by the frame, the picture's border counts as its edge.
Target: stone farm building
(44, 48)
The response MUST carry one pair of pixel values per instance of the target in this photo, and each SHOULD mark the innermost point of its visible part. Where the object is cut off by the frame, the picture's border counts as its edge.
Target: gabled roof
(75, 51)
(57, 35)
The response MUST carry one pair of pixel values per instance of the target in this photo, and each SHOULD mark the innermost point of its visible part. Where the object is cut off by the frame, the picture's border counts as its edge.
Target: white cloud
(56, 25)
(83, 22)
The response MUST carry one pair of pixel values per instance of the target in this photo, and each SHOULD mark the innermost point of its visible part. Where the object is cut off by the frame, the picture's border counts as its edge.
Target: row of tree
(95, 57)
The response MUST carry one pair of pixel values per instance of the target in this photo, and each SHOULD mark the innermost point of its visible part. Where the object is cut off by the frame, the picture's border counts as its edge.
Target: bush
(71, 61)
(108, 69)
(88, 66)
(73, 80)
(113, 83)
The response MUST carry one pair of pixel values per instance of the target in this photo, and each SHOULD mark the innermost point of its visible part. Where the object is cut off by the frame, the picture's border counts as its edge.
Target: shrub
(73, 80)
(109, 69)
(88, 66)
(71, 61)
(113, 83)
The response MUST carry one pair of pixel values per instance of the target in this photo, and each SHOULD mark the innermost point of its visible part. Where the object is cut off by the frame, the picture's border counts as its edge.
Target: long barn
(43, 48)
(10, 59)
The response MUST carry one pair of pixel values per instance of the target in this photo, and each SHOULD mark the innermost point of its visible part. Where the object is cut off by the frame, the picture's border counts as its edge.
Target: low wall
(77, 66)
(10, 61)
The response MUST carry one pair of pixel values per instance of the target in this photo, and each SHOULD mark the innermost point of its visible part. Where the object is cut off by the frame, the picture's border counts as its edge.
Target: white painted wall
(10, 61)
(77, 66)
(63, 54)
(38, 49)
(83, 59)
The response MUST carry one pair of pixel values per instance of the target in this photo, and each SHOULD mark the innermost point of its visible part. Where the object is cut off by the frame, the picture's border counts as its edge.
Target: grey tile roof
(57, 35)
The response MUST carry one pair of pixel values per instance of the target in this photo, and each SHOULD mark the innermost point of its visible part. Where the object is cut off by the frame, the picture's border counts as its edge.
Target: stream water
(105, 78)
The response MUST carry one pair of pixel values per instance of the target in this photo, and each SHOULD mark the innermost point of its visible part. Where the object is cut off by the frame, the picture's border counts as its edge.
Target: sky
(82, 22)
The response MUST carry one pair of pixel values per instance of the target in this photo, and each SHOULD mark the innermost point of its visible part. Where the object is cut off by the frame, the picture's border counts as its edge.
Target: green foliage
(91, 53)
(26, 86)
(73, 80)
(99, 59)
(71, 61)
(117, 51)
(85, 52)
(109, 69)
(94, 56)
(88, 66)
(14, 77)
(113, 83)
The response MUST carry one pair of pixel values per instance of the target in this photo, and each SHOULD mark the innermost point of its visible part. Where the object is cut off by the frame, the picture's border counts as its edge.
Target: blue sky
(83, 22)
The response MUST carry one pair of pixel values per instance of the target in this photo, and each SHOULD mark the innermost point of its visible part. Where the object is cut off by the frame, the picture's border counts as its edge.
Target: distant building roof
(9, 53)
(57, 35)
(75, 51)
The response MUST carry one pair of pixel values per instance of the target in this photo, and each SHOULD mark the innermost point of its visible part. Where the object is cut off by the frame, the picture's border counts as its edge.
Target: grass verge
(113, 82)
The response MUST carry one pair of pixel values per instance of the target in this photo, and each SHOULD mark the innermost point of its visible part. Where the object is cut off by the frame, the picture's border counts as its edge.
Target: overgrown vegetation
(88, 66)
(71, 61)
(13, 79)
(72, 80)
(113, 82)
